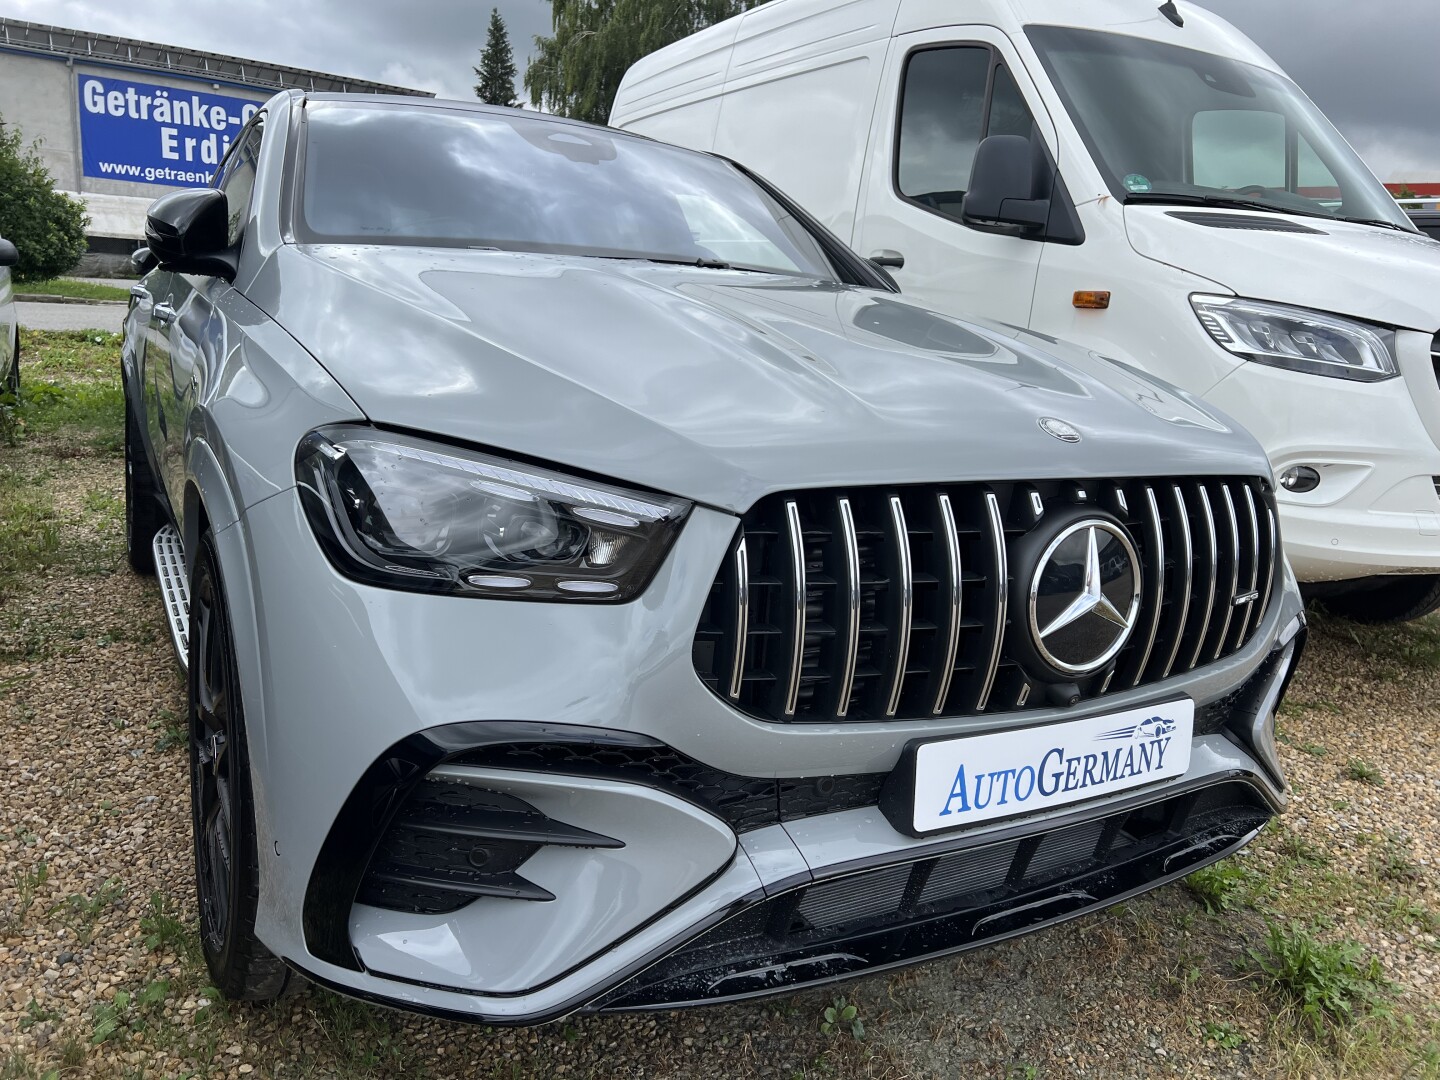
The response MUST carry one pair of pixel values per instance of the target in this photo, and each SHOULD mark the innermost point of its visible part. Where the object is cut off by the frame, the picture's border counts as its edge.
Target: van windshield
(432, 176)
(1166, 124)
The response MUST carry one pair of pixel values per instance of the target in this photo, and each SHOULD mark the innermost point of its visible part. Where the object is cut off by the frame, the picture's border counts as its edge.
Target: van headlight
(408, 514)
(1299, 339)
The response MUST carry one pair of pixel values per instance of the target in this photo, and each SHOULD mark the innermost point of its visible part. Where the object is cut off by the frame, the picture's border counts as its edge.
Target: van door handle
(891, 260)
(139, 292)
(164, 313)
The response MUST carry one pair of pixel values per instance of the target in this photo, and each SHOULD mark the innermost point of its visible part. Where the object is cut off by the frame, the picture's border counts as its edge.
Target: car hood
(720, 386)
(1372, 273)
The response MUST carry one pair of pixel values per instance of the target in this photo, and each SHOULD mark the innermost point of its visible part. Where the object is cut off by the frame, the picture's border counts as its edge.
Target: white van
(1139, 179)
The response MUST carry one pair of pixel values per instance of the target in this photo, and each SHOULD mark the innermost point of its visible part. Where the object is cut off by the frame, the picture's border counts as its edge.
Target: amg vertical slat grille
(877, 604)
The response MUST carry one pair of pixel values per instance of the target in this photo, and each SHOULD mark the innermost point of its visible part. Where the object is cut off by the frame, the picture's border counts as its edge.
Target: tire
(1387, 599)
(227, 875)
(143, 516)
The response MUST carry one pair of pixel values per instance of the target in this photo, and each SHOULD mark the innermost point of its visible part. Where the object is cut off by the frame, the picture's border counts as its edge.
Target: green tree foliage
(496, 73)
(46, 226)
(577, 71)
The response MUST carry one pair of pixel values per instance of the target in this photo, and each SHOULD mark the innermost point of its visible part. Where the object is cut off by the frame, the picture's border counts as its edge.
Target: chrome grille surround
(878, 604)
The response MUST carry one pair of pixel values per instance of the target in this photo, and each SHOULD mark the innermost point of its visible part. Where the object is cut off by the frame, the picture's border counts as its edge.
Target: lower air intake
(910, 911)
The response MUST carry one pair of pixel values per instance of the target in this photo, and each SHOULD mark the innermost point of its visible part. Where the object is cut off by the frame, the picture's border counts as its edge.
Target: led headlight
(409, 514)
(1299, 339)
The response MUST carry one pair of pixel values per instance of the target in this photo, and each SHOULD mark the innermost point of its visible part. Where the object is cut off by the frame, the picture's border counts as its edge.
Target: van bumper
(1376, 510)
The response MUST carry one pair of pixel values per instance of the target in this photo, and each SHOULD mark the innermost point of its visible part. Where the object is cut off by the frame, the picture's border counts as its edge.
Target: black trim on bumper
(908, 912)
(659, 979)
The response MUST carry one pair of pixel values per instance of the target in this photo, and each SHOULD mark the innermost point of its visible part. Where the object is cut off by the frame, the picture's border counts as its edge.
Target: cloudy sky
(1378, 83)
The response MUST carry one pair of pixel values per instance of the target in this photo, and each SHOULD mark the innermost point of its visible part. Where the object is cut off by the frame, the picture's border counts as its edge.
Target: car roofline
(461, 105)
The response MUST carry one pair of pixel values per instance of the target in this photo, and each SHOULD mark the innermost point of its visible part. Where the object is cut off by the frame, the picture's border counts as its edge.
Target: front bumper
(1377, 449)
(356, 695)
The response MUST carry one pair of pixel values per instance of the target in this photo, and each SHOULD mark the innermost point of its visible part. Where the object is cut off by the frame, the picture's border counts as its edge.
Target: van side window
(951, 98)
(1008, 112)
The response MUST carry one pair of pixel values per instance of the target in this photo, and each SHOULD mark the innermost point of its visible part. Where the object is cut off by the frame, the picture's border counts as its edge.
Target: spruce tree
(497, 66)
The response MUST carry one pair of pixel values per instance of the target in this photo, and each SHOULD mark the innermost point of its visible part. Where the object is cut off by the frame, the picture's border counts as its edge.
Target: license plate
(966, 780)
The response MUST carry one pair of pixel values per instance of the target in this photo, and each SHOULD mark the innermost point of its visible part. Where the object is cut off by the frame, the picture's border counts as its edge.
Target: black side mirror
(188, 232)
(1003, 184)
(142, 261)
(8, 255)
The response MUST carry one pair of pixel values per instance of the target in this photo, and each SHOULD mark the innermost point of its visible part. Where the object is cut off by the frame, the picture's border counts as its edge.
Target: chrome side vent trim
(1185, 567)
(1233, 525)
(1272, 548)
(907, 603)
(742, 619)
(954, 602)
(852, 607)
(1250, 599)
(797, 572)
(1156, 584)
(1001, 586)
(1212, 573)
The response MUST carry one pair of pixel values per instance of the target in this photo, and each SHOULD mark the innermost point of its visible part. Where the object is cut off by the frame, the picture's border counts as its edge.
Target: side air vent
(453, 843)
(1435, 357)
(1246, 222)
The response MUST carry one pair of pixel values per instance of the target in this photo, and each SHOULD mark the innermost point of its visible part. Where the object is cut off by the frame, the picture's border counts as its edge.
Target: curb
(42, 298)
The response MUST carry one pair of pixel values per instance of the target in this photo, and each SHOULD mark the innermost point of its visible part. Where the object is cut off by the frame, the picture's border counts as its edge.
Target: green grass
(70, 406)
(1329, 984)
(1364, 773)
(79, 290)
(29, 531)
(1218, 886)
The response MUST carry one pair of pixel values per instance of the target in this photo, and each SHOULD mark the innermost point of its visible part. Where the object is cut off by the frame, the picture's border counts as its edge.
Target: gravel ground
(99, 972)
(109, 316)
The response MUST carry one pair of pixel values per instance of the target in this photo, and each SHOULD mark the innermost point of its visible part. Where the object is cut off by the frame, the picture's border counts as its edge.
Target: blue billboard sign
(149, 134)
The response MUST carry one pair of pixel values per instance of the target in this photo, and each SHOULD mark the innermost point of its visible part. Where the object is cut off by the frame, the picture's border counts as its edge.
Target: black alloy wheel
(226, 858)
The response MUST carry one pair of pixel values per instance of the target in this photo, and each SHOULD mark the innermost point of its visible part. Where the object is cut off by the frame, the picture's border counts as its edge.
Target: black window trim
(1064, 226)
(996, 61)
(253, 127)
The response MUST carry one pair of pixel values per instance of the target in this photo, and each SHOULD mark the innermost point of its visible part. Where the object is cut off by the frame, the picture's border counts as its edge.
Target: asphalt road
(106, 316)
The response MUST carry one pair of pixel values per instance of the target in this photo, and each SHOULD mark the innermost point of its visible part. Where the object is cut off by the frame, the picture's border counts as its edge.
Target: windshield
(1170, 124)
(386, 174)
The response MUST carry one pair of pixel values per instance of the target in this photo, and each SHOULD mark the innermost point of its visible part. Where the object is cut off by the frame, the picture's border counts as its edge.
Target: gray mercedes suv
(598, 589)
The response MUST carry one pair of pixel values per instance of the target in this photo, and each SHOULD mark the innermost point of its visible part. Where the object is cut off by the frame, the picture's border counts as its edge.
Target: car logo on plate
(1059, 429)
(1084, 596)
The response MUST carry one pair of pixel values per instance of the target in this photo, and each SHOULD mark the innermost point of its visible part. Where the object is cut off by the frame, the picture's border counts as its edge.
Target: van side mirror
(1002, 185)
(188, 232)
(9, 256)
(142, 261)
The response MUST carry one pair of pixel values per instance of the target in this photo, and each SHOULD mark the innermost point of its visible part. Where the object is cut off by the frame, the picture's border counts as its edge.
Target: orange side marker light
(1092, 300)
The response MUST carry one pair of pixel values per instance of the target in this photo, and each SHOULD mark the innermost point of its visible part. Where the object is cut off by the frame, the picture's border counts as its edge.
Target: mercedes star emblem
(1085, 596)
(1059, 429)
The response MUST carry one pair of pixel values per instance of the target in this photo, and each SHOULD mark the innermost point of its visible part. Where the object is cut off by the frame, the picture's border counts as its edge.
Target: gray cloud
(1370, 68)
(430, 45)
(1374, 76)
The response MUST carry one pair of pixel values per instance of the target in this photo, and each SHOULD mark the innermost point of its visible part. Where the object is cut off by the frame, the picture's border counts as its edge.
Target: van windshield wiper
(1224, 202)
(1381, 222)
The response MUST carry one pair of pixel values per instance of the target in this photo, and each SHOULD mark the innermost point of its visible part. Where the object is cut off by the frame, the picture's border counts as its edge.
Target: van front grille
(876, 604)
